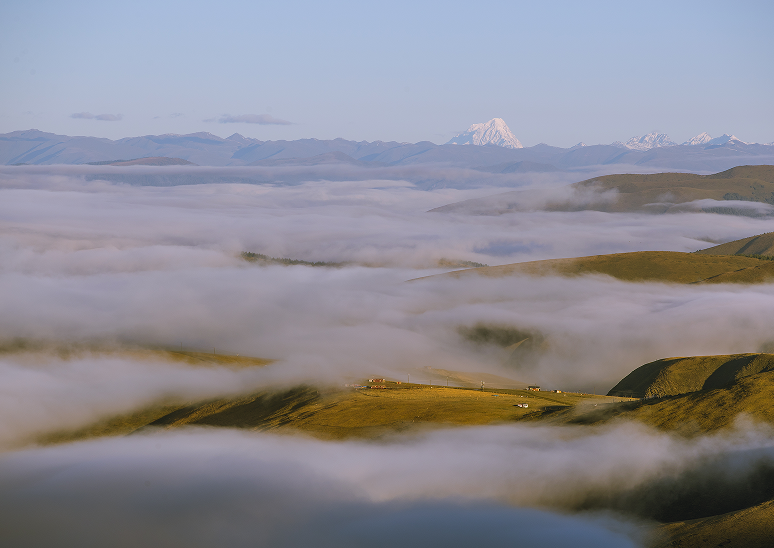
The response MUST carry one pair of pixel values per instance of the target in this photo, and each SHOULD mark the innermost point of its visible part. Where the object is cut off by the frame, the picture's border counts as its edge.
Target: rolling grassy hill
(659, 192)
(641, 266)
(702, 394)
(626, 193)
(342, 412)
(674, 376)
(690, 396)
(761, 245)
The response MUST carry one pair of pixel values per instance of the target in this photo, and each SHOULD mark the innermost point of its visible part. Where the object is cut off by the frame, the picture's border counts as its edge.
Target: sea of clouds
(90, 262)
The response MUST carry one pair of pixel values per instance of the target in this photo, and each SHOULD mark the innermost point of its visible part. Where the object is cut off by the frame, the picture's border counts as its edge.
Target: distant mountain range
(656, 140)
(492, 148)
(496, 132)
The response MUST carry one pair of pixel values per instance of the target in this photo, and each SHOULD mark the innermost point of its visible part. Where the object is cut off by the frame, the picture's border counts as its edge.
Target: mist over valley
(335, 275)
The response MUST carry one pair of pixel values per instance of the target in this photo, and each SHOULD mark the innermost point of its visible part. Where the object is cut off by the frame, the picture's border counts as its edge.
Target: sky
(556, 72)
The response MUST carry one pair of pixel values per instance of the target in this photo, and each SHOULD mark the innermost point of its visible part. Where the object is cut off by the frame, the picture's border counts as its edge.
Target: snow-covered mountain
(494, 132)
(649, 141)
(725, 138)
(707, 139)
(700, 139)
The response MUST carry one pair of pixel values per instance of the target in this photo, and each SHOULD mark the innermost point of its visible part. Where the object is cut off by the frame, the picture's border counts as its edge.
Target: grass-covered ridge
(266, 260)
(659, 192)
(759, 247)
(674, 376)
(641, 266)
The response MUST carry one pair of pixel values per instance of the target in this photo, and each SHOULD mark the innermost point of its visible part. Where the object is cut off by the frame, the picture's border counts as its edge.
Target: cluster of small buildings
(377, 384)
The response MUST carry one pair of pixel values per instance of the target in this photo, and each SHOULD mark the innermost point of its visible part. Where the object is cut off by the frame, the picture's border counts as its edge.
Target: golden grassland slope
(760, 245)
(343, 412)
(693, 413)
(690, 396)
(674, 376)
(659, 192)
(640, 266)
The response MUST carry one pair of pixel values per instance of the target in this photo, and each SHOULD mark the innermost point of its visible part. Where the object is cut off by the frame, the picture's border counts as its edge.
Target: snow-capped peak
(649, 141)
(725, 138)
(700, 139)
(494, 132)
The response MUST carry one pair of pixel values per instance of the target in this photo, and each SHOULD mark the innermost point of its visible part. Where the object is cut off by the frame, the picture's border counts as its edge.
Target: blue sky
(557, 72)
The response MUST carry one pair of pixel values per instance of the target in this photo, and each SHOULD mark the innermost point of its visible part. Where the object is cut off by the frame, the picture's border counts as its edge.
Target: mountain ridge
(36, 147)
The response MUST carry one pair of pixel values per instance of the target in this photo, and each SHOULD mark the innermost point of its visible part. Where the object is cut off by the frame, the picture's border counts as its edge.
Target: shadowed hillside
(751, 527)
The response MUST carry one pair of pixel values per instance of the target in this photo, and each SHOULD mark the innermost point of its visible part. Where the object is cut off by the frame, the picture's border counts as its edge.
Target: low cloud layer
(101, 117)
(41, 394)
(261, 119)
(237, 489)
(90, 263)
(454, 487)
(87, 261)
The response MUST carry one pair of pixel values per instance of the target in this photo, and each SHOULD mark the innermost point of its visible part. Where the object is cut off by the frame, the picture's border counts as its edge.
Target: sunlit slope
(763, 245)
(342, 413)
(697, 412)
(641, 266)
(658, 192)
(368, 412)
(673, 376)
(688, 395)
